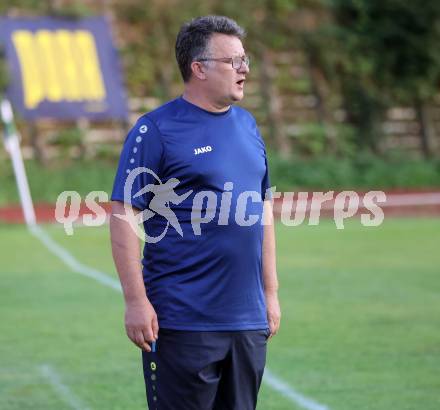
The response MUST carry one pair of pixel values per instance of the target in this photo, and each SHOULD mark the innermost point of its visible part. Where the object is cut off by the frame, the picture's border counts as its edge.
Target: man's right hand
(141, 323)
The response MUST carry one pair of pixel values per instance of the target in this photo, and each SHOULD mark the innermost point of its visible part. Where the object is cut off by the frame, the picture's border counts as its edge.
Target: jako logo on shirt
(202, 150)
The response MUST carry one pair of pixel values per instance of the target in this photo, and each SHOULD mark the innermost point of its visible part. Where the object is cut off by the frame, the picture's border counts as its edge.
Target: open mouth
(240, 82)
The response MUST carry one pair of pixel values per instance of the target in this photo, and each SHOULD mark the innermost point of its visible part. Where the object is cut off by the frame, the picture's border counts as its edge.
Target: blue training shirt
(203, 268)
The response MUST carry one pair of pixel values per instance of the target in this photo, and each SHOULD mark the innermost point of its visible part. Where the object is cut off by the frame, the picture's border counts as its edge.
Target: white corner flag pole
(12, 145)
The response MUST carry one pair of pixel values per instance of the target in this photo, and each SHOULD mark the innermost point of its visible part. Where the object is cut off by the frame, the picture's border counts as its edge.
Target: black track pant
(193, 370)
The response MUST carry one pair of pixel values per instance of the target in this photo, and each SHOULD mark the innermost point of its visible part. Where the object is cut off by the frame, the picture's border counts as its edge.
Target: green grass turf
(360, 327)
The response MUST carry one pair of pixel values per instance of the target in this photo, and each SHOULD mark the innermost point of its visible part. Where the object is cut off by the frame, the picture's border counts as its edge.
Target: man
(205, 300)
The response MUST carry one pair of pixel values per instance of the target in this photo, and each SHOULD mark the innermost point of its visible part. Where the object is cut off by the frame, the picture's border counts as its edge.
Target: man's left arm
(270, 270)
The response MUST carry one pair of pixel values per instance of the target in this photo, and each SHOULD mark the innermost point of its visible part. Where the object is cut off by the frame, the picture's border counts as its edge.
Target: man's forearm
(270, 271)
(126, 254)
(141, 323)
(269, 253)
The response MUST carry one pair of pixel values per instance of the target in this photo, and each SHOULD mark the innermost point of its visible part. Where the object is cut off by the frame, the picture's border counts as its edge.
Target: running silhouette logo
(163, 196)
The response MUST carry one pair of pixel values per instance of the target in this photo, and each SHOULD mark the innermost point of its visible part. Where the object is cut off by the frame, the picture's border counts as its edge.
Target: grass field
(360, 327)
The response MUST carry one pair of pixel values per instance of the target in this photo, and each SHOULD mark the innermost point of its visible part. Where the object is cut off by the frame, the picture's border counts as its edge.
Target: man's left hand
(273, 312)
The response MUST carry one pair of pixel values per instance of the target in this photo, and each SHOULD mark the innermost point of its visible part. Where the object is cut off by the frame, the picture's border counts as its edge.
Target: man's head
(205, 51)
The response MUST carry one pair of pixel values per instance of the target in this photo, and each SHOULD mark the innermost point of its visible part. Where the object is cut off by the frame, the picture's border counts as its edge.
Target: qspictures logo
(208, 207)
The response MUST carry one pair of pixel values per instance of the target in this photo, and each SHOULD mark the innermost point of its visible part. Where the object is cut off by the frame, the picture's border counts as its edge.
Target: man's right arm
(141, 322)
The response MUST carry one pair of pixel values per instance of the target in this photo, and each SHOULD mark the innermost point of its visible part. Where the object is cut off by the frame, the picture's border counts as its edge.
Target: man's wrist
(272, 291)
(138, 300)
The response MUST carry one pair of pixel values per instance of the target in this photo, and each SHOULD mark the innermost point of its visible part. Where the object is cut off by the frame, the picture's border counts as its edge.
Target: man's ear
(198, 70)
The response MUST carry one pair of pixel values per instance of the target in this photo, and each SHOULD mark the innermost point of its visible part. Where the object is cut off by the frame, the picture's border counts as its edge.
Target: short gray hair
(193, 38)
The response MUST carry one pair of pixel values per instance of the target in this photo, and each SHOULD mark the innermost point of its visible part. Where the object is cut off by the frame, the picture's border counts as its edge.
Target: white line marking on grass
(71, 262)
(288, 392)
(273, 381)
(60, 388)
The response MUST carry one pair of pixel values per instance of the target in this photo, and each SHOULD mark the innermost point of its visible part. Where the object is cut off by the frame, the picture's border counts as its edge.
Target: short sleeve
(139, 164)
(266, 193)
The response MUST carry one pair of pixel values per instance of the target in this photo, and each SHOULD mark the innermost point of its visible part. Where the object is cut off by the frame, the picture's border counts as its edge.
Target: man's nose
(244, 68)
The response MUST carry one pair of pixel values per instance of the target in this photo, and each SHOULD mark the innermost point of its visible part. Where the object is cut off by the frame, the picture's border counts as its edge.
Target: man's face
(224, 83)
